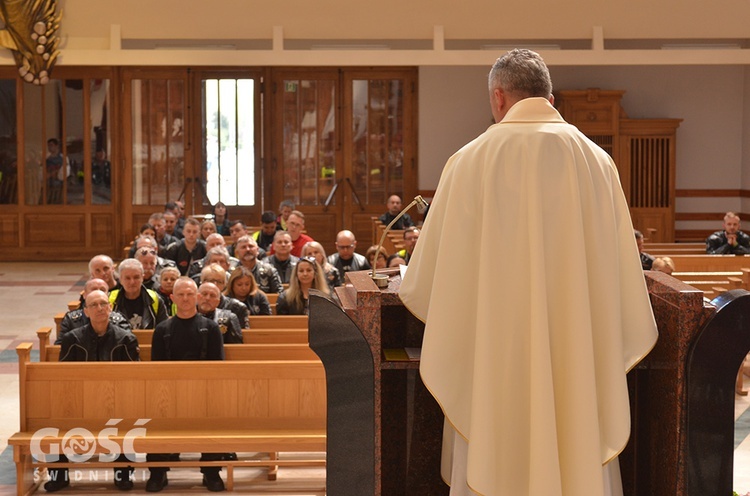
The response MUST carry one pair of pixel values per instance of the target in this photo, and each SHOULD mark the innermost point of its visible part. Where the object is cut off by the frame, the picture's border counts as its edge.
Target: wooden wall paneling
(9, 232)
(103, 230)
(322, 228)
(62, 230)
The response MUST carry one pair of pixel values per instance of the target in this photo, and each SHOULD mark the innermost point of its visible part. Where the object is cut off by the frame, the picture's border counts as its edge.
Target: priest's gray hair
(523, 73)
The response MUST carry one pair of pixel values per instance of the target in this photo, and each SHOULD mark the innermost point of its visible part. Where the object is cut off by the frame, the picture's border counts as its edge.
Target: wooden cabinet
(643, 149)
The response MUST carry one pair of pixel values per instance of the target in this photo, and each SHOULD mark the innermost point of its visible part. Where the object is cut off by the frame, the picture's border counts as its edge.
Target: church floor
(30, 295)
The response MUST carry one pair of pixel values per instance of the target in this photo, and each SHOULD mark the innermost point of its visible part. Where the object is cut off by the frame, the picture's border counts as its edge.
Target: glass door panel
(309, 140)
(158, 141)
(229, 148)
(8, 137)
(73, 152)
(101, 143)
(377, 135)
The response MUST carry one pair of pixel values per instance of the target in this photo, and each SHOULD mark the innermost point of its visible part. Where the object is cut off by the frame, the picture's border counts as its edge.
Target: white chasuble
(528, 278)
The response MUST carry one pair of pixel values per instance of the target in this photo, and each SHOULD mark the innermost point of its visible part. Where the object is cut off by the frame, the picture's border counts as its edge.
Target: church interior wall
(711, 100)
(704, 82)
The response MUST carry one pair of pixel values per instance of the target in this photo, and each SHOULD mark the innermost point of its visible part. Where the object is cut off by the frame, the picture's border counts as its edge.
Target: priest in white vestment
(526, 349)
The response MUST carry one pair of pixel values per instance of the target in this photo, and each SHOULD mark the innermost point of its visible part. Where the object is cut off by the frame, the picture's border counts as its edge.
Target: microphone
(381, 280)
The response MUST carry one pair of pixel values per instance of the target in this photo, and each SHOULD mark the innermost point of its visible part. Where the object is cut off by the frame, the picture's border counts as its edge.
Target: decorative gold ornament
(30, 32)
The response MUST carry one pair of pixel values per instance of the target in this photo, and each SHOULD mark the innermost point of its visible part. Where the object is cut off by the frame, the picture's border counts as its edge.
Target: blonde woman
(307, 274)
(315, 250)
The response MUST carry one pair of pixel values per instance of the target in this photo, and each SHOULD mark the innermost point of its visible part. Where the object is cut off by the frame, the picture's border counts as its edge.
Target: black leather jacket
(238, 308)
(84, 345)
(154, 310)
(284, 269)
(76, 318)
(717, 244)
(267, 277)
(229, 325)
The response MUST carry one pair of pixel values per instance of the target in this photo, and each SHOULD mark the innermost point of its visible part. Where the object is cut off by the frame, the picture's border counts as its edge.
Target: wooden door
(344, 140)
(307, 161)
(56, 178)
(157, 152)
(228, 159)
(379, 145)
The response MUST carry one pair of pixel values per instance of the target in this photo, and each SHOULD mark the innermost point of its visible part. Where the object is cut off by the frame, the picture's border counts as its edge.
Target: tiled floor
(30, 295)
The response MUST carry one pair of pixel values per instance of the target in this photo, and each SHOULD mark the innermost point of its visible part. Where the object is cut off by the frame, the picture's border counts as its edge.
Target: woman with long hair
(221, 218)
(306, 275)
(315, 250)
(242, 286)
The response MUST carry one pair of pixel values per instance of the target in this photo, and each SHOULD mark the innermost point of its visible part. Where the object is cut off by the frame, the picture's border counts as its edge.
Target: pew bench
(208, 406)
(727, 279)
(249, 336)
(246, 351)
(257, 323)
(667, 249)
(711, 263)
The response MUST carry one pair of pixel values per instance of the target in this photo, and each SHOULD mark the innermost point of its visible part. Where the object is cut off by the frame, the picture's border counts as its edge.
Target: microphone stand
(381, 280)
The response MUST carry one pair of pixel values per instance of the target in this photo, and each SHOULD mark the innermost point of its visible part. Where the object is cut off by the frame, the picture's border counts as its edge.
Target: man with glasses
(346, 259)
(78, 317)
(99, 339)
(411, 235)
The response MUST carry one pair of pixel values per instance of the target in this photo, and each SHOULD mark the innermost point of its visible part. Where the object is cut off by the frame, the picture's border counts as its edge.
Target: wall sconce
(30, 32)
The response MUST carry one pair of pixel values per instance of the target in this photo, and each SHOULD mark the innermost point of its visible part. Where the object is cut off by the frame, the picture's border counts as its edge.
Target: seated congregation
(183, 295)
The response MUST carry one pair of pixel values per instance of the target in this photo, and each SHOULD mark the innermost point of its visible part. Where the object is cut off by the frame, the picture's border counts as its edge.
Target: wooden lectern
(384, 427)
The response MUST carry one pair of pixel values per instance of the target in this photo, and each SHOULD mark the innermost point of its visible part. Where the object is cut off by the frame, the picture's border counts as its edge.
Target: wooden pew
(278, 321)
(711, 263)
(245, 351)
(207, 406)
(257, 322)
(249, 336)
(231, 352)
(728, 279)
(667, 249)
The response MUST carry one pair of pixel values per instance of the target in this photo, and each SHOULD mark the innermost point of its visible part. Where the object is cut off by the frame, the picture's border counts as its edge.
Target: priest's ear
(499, 103)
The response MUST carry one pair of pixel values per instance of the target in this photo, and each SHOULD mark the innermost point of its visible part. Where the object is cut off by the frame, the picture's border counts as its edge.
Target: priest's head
(517, 75)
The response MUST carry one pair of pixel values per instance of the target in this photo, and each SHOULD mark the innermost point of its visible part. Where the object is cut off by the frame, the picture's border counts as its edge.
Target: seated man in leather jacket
(99, 340)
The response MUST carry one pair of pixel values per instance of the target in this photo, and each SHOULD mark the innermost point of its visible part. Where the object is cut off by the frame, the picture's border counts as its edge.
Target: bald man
(347, 259)
(394, 207)
(102, 267)
(208, 305)
(77, 318)
(186, 336)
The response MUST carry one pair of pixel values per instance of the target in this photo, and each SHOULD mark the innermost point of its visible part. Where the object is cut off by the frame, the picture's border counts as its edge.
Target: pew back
(253, 351)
